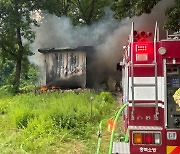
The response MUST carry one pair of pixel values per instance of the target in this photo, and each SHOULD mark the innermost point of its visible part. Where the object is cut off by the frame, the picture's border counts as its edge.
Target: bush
(27, 89)
(106, 97)
(6, 90)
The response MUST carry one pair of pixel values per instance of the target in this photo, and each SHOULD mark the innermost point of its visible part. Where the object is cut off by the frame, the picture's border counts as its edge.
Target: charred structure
(69, 67)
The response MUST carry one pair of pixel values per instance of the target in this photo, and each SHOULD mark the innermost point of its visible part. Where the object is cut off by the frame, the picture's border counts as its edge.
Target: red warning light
(148, 139)
(141, 52)
(140, 48)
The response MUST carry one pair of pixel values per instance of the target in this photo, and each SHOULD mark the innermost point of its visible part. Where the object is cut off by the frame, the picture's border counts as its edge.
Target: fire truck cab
(151, 76)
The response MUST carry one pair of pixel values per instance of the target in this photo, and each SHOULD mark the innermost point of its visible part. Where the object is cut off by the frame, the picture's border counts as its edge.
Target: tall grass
(30, 123)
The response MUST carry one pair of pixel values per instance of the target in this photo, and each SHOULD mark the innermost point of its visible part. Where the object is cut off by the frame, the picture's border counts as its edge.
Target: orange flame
(55, 87)
(44, 88)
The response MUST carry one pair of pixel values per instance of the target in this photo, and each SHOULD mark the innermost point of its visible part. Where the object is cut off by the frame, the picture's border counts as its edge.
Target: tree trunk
(17, 75)
(18, 61)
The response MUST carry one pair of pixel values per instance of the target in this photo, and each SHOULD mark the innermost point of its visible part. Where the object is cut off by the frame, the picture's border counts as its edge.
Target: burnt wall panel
(66, 69)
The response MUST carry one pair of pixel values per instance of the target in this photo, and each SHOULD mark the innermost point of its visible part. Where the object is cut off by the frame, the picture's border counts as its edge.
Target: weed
(49, 120)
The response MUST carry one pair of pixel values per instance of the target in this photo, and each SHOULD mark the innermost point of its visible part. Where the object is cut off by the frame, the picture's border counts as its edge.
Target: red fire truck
(151, 76)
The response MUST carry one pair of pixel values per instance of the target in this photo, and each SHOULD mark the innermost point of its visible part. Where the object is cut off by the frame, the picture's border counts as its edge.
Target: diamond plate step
(121, 148)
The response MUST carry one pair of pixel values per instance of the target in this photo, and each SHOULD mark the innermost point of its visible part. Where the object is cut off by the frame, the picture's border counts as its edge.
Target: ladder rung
(144, 85)
(144, 65)
(145, 104)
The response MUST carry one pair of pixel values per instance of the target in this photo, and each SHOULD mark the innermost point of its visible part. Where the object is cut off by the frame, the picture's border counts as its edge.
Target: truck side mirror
(118, 67)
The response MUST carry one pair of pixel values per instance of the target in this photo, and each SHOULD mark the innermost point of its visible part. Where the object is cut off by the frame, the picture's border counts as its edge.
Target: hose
(99, 138)
(113, 129)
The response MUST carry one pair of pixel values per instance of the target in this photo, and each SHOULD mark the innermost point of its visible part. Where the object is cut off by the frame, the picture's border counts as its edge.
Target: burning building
(69, 67)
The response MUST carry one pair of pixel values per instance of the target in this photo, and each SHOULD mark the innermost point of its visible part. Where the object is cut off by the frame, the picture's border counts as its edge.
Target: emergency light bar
(141, 36)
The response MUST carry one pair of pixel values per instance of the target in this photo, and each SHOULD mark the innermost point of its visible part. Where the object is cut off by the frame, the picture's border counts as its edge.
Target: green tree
(87, 12)
(173, 17)
(16, 33)
(6, 67)
(58, 7)
(82, 12)
(130, 8)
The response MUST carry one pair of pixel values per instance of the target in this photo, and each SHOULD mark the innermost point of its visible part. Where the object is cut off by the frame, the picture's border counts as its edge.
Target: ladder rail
(132, 70)
(154, 64)
(156, 38)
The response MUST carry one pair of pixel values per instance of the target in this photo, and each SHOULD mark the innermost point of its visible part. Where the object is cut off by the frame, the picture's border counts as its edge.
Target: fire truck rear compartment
(173, 84)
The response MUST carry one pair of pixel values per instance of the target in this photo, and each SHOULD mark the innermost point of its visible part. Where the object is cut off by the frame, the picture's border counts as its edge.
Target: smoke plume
(107, 35)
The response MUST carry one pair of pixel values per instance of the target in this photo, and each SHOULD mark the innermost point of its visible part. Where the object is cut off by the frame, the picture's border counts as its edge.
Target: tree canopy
(16, 33)
(82, 12)
(130, 8)
(173, 17)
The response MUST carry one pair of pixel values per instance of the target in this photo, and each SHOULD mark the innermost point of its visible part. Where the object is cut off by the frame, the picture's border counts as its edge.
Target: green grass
(53, 122)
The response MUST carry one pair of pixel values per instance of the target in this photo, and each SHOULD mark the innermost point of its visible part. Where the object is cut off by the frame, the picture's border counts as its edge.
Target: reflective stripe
(145, 128)
(176, 150)
(173, 149)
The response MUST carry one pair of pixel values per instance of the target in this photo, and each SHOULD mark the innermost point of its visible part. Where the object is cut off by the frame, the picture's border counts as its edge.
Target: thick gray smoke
(111, 49)
(107, 35)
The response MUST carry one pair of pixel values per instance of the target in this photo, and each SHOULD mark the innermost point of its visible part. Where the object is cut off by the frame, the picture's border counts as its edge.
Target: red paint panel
(147, 71)
(143, 72)
(172, 48)
(173, 142)
(173, 52)
(142, 115)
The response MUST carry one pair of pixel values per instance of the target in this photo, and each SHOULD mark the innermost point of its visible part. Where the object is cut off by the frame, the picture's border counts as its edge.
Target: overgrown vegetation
(53, 122)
